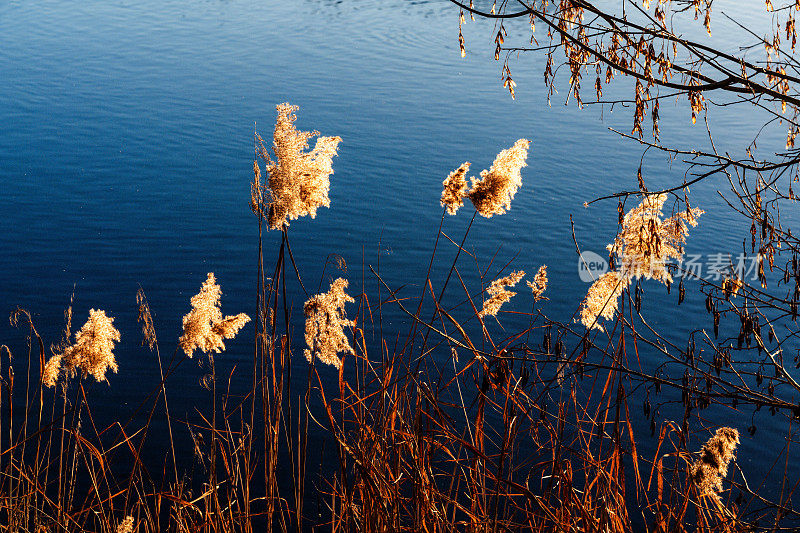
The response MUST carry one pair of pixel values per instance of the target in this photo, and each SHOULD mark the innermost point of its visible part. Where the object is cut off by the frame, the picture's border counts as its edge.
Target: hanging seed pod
(500, 373)
(709, 383)
(546, 341)
(652, 426)
(681, 292)
(685, 389)
(485, 383)
(669, 286)
(559, 349)
(759, 377)
(716, 324)
(770, 335)
(524, 377)
(709, 304)
(658, 386)
(771, 388)
(752, 430)
(637, 298)
(773, 410)
(735, 403)
(740, 340)
(646, 407)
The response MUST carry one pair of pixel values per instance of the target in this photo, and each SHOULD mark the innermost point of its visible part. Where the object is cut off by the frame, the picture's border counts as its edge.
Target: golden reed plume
(539, 283)
(493, 192)
(499, 293)
(126, 526)
(643, 246)
(91, 353)
(204, 328)
(325, 323)
(455, 189)
(298, 180)
(708, 471)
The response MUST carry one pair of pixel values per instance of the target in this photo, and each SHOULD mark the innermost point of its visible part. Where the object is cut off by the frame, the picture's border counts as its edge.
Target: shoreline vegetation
(454, 424)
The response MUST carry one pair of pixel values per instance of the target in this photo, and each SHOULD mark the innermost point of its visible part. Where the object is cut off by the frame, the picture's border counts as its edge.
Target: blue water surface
(127, 146)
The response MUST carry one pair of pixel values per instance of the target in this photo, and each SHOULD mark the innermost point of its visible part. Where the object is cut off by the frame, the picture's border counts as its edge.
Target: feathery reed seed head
(455, 189)
(126, 526)
(493, 192)
(499, 293)
(51, 371)
(602, 298)
(145, 319)
(645, 242)
(91, 353)
(298, 180)
(708, 471)
(643, 245)
(325, 320)
(539, 283)
(204, 327)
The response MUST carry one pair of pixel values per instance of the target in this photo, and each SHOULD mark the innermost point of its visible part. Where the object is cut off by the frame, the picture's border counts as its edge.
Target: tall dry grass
(446, 423)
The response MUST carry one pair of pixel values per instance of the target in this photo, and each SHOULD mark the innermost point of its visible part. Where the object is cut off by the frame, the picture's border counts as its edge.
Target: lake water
(126, 160)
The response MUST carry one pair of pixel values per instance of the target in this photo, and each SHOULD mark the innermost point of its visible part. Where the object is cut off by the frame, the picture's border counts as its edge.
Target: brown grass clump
(602, 298)
(499, 293)
(204, 328)
(539, 283)
(708, 471)
(455, 189)
(92, 351)
(492, 194)
(325, 320)
(298, 180)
